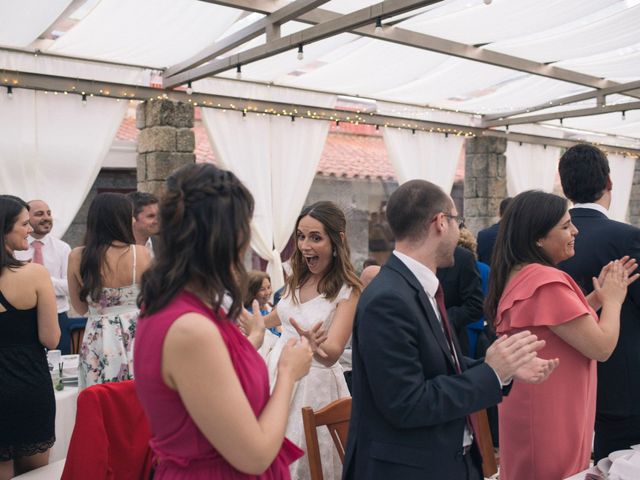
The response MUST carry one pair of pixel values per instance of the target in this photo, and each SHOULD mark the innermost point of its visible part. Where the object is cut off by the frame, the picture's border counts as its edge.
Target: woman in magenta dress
(546, 430)
(202, 384)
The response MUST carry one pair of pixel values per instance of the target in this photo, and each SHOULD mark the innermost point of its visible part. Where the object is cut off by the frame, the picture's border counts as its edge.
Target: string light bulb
(487, 2)
(378, 29)
(84, 99)
(9, 92)
(624, 115)
(189, 88)
(300, 52)
(238, 71)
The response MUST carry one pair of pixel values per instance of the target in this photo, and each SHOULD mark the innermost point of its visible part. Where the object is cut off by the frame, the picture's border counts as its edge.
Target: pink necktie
(37, 252)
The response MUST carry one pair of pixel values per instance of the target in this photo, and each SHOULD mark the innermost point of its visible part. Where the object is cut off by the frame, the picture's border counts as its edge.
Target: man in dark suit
(584, 173)
(413, 391)
(487, 237)
(463, 296)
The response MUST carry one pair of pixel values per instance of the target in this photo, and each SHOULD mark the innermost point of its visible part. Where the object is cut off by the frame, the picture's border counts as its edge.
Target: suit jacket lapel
(432, 320)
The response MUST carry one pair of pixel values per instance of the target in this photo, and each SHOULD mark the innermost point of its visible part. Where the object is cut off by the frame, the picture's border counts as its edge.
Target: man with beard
(53, 254)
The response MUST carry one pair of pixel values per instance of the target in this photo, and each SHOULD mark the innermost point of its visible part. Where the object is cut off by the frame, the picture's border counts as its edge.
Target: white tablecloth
(65, 420)
(53, 471)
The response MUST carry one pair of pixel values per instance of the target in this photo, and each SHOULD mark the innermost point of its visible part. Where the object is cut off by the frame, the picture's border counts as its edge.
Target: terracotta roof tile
(351, 151)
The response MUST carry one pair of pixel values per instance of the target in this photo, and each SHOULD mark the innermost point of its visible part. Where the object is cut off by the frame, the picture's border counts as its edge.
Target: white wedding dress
(320, 387)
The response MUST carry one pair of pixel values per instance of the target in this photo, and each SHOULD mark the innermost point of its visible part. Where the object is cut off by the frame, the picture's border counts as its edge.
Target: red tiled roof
(351, 151)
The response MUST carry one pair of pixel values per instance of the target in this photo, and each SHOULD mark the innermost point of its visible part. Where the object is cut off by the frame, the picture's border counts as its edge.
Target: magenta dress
(546, 430)
(180, 449)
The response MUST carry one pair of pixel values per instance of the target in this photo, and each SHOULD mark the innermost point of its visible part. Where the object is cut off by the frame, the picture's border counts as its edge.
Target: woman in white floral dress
(103, 277)
(319, 303)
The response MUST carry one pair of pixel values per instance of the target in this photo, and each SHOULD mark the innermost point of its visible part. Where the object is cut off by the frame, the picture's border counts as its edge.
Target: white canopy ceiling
(571, 46)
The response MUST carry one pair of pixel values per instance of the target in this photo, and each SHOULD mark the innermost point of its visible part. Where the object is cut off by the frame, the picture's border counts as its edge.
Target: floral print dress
(106, 354)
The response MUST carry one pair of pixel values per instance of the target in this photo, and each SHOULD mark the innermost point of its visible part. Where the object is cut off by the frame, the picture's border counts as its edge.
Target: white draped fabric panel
(622, 170)
(276, 159)
(531, 167)
(427, 156)
(52, 146)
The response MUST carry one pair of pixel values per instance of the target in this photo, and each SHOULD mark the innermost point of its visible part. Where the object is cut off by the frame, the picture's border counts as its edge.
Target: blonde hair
(468, 241)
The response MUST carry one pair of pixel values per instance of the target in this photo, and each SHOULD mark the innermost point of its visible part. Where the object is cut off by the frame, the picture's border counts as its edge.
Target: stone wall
(485, 181)
(633, 213)
(166, 141)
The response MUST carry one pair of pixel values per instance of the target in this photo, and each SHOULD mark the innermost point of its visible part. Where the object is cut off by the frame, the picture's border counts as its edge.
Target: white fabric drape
(22, 22)
(276, 159)
(531, 167)
(427, 156)
(52, 147)
(622, 169)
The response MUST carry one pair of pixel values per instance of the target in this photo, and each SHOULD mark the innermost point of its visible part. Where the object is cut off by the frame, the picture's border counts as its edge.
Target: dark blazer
(486, 240)
(409, 405)
(599, 241)
(463, 296)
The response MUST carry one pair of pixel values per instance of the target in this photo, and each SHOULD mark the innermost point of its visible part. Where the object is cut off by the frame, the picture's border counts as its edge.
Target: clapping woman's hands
(316, 335)
(629, 264)
(613, 288)
(252, 324)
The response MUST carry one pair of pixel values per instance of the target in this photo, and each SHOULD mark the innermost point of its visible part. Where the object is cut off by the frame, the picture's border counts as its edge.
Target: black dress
(27, 401)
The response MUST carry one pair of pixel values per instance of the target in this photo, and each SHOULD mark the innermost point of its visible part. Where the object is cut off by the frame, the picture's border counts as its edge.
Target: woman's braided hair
(204, 231)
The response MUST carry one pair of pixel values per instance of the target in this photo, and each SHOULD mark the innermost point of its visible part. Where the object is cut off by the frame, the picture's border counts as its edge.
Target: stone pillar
(166, 141)
(485, 181)
(634, 201)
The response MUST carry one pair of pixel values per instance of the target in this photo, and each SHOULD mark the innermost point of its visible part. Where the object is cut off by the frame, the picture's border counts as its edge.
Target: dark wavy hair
(109, 220)
(10, 208)
(584, 171)
(341, 270)
(529, 217)
(205, 214)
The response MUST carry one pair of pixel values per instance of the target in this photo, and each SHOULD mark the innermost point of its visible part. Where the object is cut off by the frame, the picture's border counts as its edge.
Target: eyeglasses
(458, 218)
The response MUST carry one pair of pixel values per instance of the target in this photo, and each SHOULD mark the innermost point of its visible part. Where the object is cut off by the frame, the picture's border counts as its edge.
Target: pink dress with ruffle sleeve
(180, 449)
(546, 430)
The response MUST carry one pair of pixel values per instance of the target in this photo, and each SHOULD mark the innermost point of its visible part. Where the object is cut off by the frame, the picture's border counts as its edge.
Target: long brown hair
(10, 209)
(341, 270)
(204, 218)
(529, 217)
(109, 220)
(254, 284)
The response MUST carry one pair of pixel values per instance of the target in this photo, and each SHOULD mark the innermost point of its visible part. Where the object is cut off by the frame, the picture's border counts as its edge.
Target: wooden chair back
(480, 423)
(77, 335)
(335, 417)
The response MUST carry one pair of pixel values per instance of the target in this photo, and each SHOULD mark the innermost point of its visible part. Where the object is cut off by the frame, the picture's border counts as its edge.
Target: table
(65, 420)
(53, 471)
(581, 475)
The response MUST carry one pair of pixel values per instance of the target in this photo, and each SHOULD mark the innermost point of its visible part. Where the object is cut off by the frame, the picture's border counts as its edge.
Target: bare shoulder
(33, 270)
(76, 253)
(142, 253)
(191, 331)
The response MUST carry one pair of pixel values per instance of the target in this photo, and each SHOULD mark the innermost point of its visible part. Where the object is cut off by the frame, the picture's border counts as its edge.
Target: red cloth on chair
(111, 436)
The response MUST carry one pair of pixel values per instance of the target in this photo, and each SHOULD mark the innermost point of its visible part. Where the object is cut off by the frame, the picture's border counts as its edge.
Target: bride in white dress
(319, 303)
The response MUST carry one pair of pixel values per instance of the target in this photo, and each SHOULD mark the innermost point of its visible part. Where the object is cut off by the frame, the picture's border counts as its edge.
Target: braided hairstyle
(204, 218)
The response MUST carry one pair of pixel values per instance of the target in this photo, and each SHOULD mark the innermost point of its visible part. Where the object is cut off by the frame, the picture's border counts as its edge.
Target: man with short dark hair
(584, 173)
(53, 254)
(145, 218)
(413, 391)
(487, 237)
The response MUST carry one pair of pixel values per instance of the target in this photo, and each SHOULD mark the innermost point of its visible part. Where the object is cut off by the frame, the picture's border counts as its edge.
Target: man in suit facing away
(487, 237)
(413, 391)
(584, 173)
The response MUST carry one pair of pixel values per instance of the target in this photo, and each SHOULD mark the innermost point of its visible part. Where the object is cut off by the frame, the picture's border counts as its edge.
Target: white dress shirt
(593, 206)
(55, 254)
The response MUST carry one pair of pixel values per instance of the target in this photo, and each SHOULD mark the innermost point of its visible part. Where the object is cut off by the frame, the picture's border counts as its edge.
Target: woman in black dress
(28, 324)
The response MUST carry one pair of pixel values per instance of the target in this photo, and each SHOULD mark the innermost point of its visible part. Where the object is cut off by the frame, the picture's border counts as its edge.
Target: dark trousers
(473, 472)
(65, 342)
(615, 433)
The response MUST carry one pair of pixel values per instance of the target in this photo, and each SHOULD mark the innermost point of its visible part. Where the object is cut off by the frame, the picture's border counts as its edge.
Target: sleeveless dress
(106, 354)
(321, 386)
(180, 449)
(27, 402)
(546, 430)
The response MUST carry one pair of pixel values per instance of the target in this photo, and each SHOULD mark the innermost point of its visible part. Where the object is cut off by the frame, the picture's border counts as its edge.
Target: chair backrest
(335, 417)
(111, 435)
(77, 334)
(485, 443)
